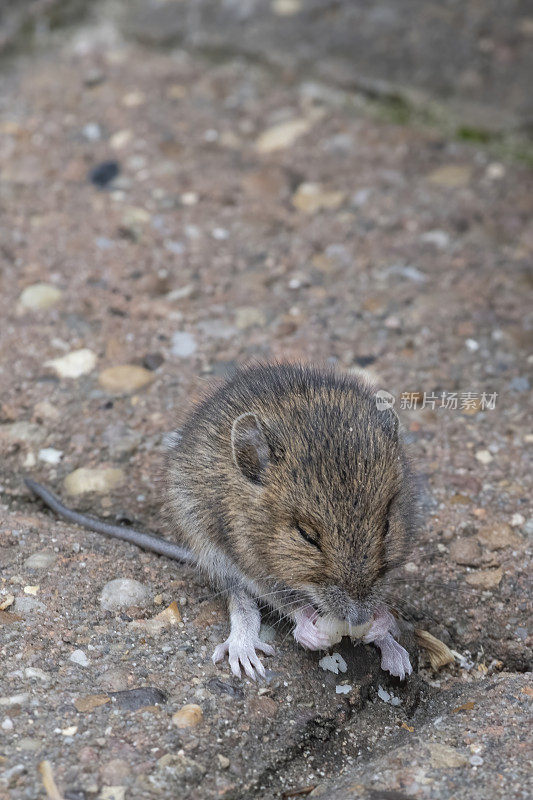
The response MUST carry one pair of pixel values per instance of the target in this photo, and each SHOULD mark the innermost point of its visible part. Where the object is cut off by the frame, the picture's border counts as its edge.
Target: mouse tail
(145, 541)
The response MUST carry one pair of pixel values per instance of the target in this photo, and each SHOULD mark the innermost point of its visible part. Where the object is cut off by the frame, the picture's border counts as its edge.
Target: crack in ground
(328, 738)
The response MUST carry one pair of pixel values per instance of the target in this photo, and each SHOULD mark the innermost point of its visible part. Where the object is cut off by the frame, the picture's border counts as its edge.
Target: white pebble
(472, 345)
(439, 238)
(40, 296)
(40, 560)
(7, 724)
(74, 364)
(92, 132)
(79, 657)
(123, 592)
(344, 689)
(183, 344)
(50, 455)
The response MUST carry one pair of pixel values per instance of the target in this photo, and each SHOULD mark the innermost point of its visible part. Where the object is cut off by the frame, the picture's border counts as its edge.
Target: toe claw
(219, 652)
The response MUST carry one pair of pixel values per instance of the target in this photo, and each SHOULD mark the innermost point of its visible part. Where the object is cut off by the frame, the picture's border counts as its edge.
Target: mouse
(291, 487)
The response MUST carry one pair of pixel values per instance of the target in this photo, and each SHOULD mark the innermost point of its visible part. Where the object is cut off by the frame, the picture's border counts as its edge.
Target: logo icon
(384, 400)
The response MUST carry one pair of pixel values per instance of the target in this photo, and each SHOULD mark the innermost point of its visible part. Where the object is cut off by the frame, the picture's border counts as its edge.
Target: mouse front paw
(242, 652)
(394, 657)
(308, 633)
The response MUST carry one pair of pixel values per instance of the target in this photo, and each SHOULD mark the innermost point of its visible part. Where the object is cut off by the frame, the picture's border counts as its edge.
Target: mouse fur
(292, 488)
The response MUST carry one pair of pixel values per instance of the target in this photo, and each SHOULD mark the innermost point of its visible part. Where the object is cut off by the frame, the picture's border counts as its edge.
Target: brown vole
(290, 488)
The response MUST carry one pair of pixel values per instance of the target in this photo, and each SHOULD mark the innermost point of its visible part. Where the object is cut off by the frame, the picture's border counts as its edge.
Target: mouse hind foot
(243, 641)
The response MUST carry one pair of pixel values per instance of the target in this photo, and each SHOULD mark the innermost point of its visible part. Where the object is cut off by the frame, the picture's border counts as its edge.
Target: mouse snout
(355, 612)
(358, 614)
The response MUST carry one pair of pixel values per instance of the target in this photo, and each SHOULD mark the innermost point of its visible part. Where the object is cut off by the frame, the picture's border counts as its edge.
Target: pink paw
(394, 657)
(307, 632)
(243, 653)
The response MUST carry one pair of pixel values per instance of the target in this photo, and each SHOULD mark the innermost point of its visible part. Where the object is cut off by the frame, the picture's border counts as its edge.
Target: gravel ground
(164, 217)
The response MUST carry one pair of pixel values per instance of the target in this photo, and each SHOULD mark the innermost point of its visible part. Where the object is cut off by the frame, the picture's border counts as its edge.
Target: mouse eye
(311, 538)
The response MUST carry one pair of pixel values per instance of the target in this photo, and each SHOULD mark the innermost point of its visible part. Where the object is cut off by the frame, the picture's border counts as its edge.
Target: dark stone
(152, 361)
(104, 173)
(217, 686)
(133, 699)
(365, 361)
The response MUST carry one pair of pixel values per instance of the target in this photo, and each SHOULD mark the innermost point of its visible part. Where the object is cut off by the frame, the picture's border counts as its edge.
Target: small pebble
(79, 657)
(92, 132)
(312, 197)
(41, 560)
(517, 520)
(484, 456)
(440, 239)
(125, 378)
(183, 344)
(153, 361)
(120, 139)
(286, 8)
(123, 592)
(28, 605)
(50, 455)
(133, 99)
(495, 171)
(40, 296)
(466, 552)
(282, 135)
(451, 176)
(134, 699)
(101, 480)
(188, 717)
(223, 761)
(74, 364)
(102, 174)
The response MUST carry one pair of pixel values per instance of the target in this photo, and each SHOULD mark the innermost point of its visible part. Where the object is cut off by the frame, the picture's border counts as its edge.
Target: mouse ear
(249, 446)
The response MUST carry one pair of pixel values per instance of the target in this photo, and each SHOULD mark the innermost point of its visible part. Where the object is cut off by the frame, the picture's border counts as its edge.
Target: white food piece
(334, 663)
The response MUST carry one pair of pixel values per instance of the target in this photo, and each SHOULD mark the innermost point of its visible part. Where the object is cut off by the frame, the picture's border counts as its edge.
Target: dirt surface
(164, 217)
